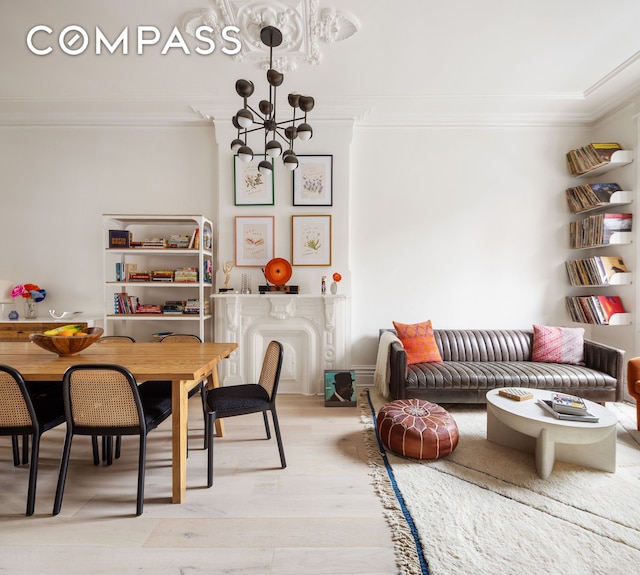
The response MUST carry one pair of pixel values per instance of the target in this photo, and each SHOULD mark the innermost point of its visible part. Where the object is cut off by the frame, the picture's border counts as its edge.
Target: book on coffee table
(564, 403)
(587, 417)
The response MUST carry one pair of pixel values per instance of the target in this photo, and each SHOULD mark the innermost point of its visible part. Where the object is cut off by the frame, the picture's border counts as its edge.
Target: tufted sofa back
(484, 345)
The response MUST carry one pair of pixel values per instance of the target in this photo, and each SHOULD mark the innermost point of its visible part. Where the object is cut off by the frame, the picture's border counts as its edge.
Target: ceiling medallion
(302, 24)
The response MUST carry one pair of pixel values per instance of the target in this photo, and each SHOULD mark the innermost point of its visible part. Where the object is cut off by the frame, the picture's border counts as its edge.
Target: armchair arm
(606, 359)
(398, 371)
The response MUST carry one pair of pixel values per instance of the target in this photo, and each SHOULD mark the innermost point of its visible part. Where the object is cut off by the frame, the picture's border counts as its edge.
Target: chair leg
(25, 449)
(203, 395)
(266, 424)
(278, 437)
(211, 418)
(108, 449)
(64, 465)
(33, 474)
(96, 454)
(118, 446)
(141, 466)
(16, 450)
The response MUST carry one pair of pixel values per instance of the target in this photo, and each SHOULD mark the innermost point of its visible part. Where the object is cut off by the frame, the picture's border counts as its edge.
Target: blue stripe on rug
(414, 531)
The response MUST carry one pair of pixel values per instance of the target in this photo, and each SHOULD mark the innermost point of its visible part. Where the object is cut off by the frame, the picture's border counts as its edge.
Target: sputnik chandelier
(245, 121)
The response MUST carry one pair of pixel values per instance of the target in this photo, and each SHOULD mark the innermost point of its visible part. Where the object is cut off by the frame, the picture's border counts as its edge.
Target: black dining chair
(27, 415)
(107, 442)
(202, 386)
(104, 399)
(232, 400)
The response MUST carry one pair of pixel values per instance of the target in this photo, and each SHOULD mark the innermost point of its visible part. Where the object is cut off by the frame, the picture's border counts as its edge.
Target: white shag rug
(484, 510)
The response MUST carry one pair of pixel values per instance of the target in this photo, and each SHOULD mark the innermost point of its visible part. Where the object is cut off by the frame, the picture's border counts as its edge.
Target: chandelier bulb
(245, 153)
(273, 148)
(265, 167)
(245, 118)
(290, 160)
(244, 88)
(236, 145)
(307, 103)
(274, 77)
(305, 132)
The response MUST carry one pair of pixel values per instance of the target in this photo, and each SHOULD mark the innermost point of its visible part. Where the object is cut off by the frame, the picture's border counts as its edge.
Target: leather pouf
(418, 429)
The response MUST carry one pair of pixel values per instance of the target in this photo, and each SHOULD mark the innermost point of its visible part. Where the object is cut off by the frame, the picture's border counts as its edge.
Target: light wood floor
(320, 515)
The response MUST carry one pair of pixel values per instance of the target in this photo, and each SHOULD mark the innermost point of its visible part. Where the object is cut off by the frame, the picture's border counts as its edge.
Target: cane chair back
(21, 414)
(103, 399)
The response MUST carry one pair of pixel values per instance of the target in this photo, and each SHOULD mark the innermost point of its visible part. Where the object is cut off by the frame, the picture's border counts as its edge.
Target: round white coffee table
(526, 426)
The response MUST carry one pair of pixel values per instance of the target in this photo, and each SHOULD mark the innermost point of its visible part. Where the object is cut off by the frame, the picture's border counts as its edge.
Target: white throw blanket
(382, 373)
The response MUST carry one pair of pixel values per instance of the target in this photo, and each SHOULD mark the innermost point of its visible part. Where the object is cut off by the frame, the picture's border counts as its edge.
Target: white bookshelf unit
(152, 235)
(584, 313)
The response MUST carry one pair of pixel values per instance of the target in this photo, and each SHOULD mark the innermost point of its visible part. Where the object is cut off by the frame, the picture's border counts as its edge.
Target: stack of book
(590, 157)
(154, 243)
(173, 307)
(597, 270)
(594, 309)
(567, 407)
(186, 275)
(193, 307)
(162, 275)
(582, 198)
(179, 241)
(139, 276)
(597, 230)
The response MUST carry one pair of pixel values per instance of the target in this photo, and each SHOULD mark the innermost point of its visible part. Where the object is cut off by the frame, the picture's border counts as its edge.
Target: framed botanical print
(254, 240)
(313, 181)
(311, 240)
(251, 187)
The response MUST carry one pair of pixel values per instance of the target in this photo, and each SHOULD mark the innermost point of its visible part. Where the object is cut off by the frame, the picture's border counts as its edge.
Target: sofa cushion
(558, 344)
(485, 375)
(418, 341)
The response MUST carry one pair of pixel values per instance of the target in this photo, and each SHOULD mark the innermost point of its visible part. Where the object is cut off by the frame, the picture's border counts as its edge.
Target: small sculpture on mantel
(226, 268)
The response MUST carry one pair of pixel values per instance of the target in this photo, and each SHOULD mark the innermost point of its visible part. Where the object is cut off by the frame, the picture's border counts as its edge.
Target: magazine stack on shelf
(594, 309)
(590, 157)
(597, 271)
(597, 230)
(592, 196)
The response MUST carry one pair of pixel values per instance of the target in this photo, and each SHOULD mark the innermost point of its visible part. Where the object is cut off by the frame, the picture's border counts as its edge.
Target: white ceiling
(533, 62)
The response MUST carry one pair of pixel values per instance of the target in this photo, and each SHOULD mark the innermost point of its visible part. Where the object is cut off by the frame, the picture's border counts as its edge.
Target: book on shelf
(123, 303)
(194, 243)
(594, 309)
(597, 230)
(565, 403)
(179, 241)
(175, 307)
(139, 276)
(155, 243)
(162, 275)
(593, 271)
(186, 275)
(590, 196)
(588, 417)
(592, 156)
(119, 239)
(148, 308)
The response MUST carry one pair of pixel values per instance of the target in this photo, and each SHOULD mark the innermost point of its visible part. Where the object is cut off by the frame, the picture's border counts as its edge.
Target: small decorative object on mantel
(226, 268)
(334, 284)
(32, 294)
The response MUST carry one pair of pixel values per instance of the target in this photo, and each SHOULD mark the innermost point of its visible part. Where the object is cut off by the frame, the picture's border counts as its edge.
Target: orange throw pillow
(418, 341)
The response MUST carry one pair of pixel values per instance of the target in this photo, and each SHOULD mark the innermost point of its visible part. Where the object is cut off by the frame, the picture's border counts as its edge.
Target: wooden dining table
(185, 364)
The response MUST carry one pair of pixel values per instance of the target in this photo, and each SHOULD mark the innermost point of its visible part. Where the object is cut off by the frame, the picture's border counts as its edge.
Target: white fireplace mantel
(314, 330)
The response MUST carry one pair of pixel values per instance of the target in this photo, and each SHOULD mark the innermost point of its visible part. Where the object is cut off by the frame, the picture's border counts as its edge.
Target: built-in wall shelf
(618, 159)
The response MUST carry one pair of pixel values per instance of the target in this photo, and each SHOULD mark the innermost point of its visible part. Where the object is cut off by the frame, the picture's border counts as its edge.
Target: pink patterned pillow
(558, 344)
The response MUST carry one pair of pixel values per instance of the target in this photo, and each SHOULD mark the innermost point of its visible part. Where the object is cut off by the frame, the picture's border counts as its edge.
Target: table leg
(179, 417)
(212, 381)
(545, 453)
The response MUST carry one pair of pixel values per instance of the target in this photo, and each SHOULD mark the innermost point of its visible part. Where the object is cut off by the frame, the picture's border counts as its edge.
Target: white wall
(57, 182)
(464, 226)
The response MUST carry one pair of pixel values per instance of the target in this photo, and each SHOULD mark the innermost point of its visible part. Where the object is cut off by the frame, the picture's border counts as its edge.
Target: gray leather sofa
(475, 361)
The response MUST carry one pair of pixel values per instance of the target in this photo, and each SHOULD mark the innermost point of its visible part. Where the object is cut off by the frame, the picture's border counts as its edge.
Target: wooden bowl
(66, 346)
